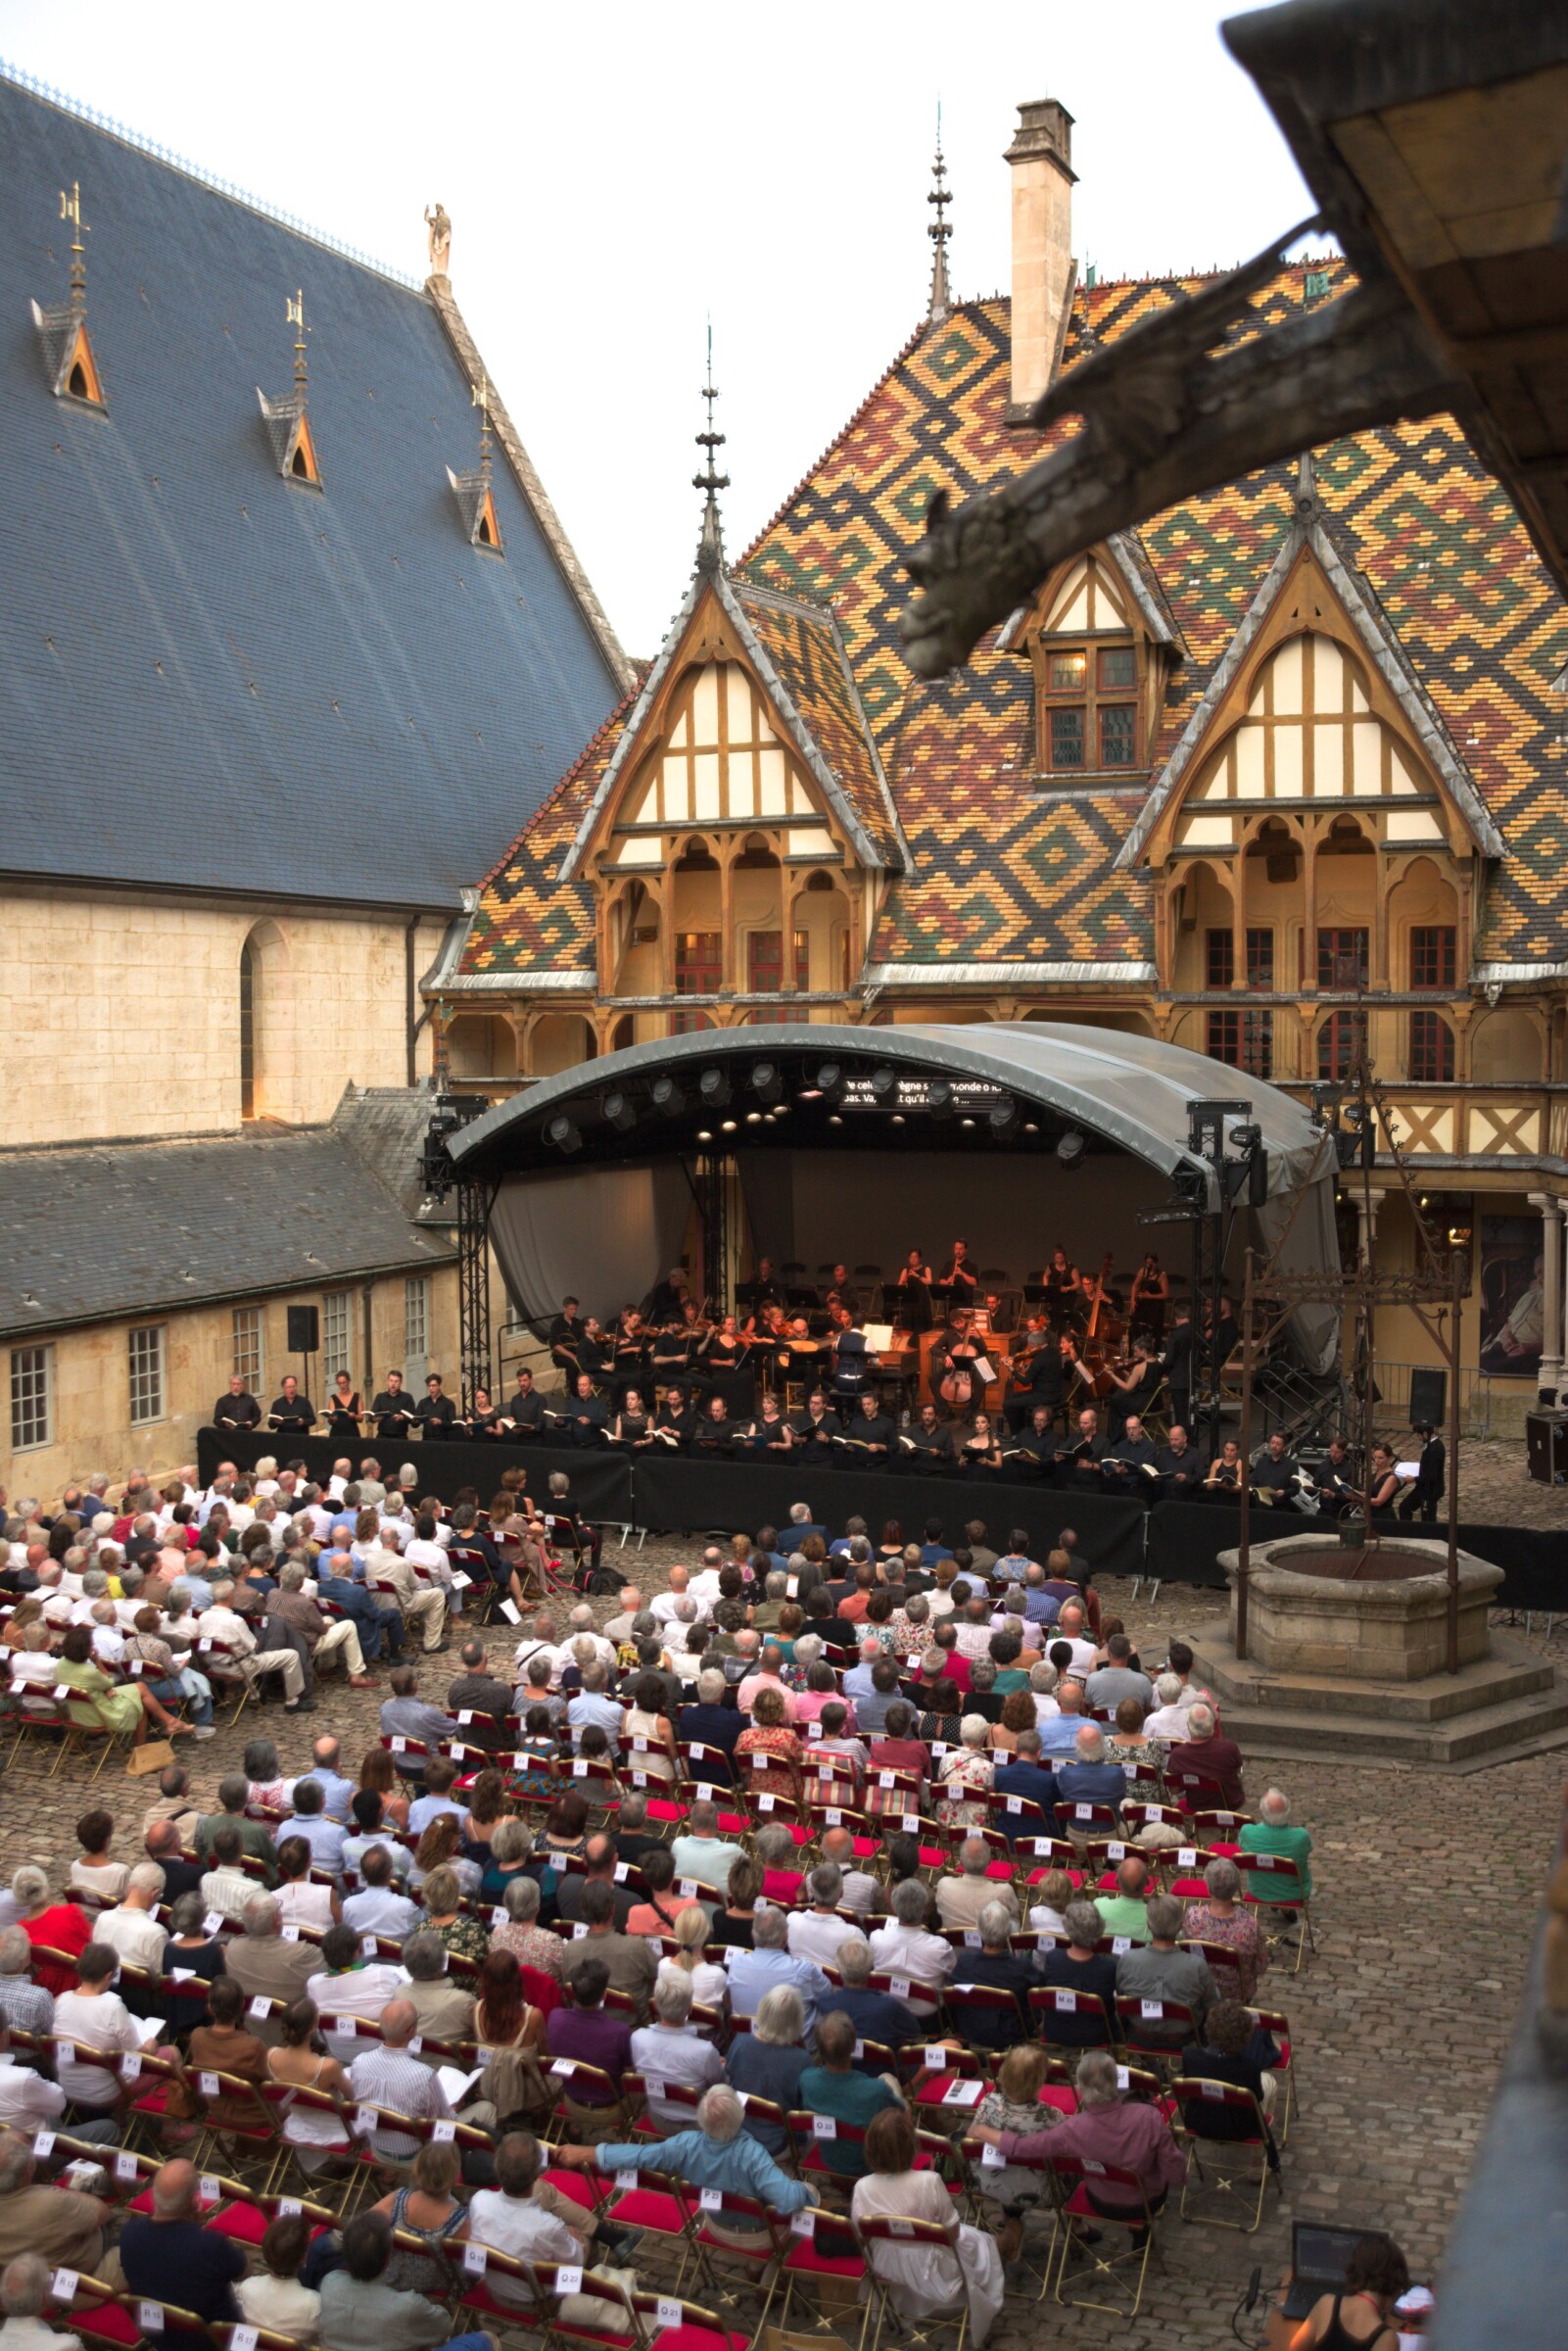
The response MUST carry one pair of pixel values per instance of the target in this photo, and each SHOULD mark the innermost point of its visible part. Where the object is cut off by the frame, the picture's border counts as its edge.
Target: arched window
(1340, 1044)
(250, 992)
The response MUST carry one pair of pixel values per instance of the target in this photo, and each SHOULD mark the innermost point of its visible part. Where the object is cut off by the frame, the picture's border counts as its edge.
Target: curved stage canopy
(990, 1092)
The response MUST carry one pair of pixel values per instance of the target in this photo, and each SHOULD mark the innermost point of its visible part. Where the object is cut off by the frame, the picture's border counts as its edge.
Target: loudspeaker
(1547, 1447)
(1429, 1397)
(305, 1329)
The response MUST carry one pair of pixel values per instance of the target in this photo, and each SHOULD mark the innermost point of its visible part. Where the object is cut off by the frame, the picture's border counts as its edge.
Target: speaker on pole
(305, 1329)
(1429, 1397)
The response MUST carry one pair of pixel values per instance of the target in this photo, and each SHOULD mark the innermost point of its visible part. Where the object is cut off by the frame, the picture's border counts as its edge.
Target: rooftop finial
(481, 399)
(296, 319)
(710, 546)
(71, 210)
(939, 232)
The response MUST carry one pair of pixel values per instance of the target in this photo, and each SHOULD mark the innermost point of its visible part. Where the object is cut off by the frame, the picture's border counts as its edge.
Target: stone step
(1474, 1740)
(1511, 1674)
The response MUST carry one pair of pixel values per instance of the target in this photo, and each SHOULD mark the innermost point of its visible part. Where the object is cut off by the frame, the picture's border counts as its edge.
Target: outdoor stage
(1175, 1542)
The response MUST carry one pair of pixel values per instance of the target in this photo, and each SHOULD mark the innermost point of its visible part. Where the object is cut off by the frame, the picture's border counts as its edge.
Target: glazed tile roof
(806, 648)
(1000, 872)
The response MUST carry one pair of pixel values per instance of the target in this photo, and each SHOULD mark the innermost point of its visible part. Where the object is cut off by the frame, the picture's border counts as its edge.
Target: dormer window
(1091, 711)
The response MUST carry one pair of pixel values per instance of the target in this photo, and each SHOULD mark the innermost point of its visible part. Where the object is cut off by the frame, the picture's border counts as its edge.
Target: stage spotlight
(1070, 1150)
(703, 1135)
(830, 1080)
(939, 1099)
(753, 1117)
(617, 1110)
(966, 1122)
(767, 1081)
(714, 1087)
(560, 1132)
(835, 1120)
(1003, 1118)
(729, 1125)
(883, 1085)
(897, 1118)
(1030, 1127)
(666, 1097)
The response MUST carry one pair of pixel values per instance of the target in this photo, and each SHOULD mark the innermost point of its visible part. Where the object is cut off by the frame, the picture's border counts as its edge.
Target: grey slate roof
(142, 1228)
(209, 676)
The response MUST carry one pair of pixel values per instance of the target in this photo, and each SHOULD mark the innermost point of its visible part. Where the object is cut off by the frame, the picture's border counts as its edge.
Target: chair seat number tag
(1149, 2009)
(63, 2285)
(442, 2132)
(1187, 1858)
(125, 2167)
(900, 2227)
(1066, 2002)
(570, 2280)
(823, 2126)
(992, 2158)
(625, 2181)
(711, 2199)
(801, 2223)
(1083, 1811)
(1120, 1944)
(898, 1986)
(150, 2317)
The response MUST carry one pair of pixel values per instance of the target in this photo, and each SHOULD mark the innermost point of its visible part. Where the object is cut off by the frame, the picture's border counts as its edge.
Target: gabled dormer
(288, 422)
(1102, 644)
(69, 358)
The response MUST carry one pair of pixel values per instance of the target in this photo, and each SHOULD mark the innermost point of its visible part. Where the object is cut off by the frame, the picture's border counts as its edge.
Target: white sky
(615, 173)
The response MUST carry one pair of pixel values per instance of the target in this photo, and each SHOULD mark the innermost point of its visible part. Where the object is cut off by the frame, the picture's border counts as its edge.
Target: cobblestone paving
(1423, 1914)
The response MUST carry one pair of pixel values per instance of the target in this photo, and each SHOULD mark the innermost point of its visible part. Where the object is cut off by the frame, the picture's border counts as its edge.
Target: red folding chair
(1053, 2004)
(1155, 2030)
(1273, 1884)
(824, 2252)
(1104, 2197)
(1224, 2164)
(890, 2231)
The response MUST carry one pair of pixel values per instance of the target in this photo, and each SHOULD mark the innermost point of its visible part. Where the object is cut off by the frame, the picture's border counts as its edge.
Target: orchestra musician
(1036, 1371)
(1180, 1464)
(954, 1359)
(724, 1349)
(1431, 1476)
(915, 1292)
(1064, 1288)
(596, 1349)
(392, 1410)
(565, 1335)
(1176, 1365)
(1134, 1383)
(928, 1442)
(292, 1414)
(962, 1278)
(841, 1290)
(630, 1344)
(669, 1297)
(1033, 1451)
(436, 1413)
(851, 1367)
(669, 1350)
(238, 1409)
(1149, 1297)
(343, 1414)
(766, 1287)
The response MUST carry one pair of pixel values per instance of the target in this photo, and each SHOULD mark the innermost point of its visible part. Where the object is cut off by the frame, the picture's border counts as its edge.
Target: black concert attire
(961, 1280)
(770, 1440)
(1063, 1293)
(1130, 1467)
(679, 1425)
(1177, 1366)
(637, 1432)
(1336, 1483)
(1431, 1482)
(815, 1437)
(929, 1449)
(1081, 1457)
(587, 1421)
(1036, 1380)
(958, 1354)
(236, 1412)
(667, 1356)
(974, 1454)
(914, 1306)
(842, 1294)
(863, 1432)
(485, 1427)
(1123, 1402)
(393, 1415)
(565, 1343)
(1032, 1452)
(667, 1301)
(295, 1419)
(1274, 1483)
(1181, 1472)
(436, 1416)
(526, 1412)
(714, 1440)
(343, 1419)
(1226, 1476)
(851, 1369)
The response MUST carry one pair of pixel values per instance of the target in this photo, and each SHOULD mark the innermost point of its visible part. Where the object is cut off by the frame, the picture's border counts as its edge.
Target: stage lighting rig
(1070, 1149)
(714, 1087)
(615, 1108)
(830, 1080)
(1002, 1118)
(667, 1097)
(883, 1085)
(939, 1099)
(563, 1135)
(767, 1081)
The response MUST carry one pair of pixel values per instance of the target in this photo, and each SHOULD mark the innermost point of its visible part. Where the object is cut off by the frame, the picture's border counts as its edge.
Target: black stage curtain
(602, 1481)
(684, 1493)
(1186, 1538)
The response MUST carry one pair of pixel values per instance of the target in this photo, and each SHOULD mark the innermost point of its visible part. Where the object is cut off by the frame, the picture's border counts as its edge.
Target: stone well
(1384, 1618)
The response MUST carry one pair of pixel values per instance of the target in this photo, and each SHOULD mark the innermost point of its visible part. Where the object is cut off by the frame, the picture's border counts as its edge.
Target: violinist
(343, 1413)
(631, 1426)
(928, 1442)
(565, 1335)
(676, 1422)
(669, 1350)
(1034, 1450)
(1087, 1451)
(392, 1410)
(961, 1279)
(1149, 1298)
(1226, 1470)
(979, 1449)
(915, 1292)
(1180, 1464)
(726, 1349)
(630, 1344)
(1133, 1384)
(596, 1349)
(669, 1297)
(1036, 1371)
(817, 1429)
(841, 1291)
(954, 1360)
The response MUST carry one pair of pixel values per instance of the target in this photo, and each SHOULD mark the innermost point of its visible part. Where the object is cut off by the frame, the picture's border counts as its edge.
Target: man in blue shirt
(1027, 1777)
(337, 1792)
(1059, 1733)
(1089, 1779)
(325, 1837)
(934, 1547)
(375, 1626)
(755, 1972)
(1040, 1606)
(440, 1774)
(719, 2153)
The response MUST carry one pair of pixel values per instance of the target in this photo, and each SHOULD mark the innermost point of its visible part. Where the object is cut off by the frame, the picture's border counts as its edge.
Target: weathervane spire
(939, 232)
(296, 319)
(481, 400)
(71, 210)
(711, 544)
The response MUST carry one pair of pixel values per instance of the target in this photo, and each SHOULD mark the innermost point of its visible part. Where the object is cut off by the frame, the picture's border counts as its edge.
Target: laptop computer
(1320, 2258)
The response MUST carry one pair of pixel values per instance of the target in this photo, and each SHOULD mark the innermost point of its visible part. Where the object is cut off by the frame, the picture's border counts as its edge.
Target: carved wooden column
(1549, 1378)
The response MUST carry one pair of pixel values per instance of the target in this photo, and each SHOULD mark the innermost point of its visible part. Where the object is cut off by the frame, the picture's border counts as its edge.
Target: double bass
(1094, 1350)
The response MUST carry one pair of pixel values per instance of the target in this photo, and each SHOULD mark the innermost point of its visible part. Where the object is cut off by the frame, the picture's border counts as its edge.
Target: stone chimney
(1041, 161)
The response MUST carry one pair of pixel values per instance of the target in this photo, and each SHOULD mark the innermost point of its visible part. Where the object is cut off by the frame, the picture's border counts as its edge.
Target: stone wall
(122, 1017)
(90, 1382)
